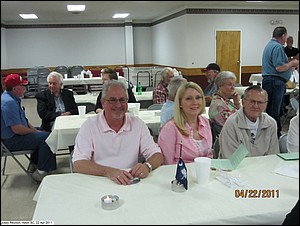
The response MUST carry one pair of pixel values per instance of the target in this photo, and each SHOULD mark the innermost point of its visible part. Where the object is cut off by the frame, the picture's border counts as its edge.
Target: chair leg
(4, 165)
(28, 174)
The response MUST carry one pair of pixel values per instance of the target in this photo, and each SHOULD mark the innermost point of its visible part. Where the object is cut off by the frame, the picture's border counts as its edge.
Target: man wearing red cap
(18, 134)
(211, 72)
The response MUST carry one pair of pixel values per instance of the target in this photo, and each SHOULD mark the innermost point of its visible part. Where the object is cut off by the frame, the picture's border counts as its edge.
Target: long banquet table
(92, 97)
(83, 81)
(65, 128)
(146, 95)
(75, 198)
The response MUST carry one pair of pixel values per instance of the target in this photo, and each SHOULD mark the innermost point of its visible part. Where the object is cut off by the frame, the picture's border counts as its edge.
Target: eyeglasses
(253, 102)
(113, 100)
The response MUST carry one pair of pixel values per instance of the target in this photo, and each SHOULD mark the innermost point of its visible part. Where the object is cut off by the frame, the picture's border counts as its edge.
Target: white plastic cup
(81, 110)
(137, 108)
(66, 76)
(202, 166)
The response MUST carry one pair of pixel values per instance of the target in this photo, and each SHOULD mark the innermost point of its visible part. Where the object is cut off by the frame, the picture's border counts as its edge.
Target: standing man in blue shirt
(18, 134)
(276, 71)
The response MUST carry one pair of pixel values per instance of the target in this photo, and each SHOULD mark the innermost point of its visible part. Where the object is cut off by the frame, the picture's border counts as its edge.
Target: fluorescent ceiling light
(76, 8)
(28, 16)
(121, 15)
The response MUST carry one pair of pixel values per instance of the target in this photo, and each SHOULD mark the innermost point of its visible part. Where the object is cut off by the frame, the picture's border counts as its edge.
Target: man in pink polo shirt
(110, 143)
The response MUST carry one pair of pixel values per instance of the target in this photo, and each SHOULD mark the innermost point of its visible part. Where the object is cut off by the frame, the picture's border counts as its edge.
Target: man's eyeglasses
(253, 102)
(113, 100)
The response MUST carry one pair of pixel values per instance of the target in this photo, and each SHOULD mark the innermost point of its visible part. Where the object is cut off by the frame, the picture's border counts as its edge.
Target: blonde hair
(180, 117)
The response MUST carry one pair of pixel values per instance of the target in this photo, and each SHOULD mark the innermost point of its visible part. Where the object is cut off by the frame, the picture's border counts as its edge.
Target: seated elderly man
(55, 101)
(211, 71)
(251, 126)
(160, 92)
(18, 134)
(110, 143)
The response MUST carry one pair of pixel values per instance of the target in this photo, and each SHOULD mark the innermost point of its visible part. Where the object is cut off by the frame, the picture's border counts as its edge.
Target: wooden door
(228, 52)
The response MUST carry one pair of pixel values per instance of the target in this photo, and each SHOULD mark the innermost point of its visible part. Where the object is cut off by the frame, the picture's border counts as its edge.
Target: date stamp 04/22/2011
(257, 193)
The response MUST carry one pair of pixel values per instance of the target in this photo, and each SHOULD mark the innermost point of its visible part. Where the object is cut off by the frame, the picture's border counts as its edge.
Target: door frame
(239, 79)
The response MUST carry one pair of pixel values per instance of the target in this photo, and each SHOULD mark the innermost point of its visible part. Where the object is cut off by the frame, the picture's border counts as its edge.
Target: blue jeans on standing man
(276, 89)
(43, 157)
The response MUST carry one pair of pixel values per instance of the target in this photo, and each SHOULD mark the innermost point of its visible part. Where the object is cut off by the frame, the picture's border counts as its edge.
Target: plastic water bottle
(139, 89)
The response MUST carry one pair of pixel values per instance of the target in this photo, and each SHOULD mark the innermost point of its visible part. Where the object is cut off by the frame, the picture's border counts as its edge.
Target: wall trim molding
(164, 19)
(185, 71)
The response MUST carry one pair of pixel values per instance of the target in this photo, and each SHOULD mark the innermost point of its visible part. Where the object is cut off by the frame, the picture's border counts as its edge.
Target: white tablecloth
(75, 198)
(255, 77)
(65, 128)
(92, 97)
(146, 95)
(83, 81)
(87, 98)
(240, 90)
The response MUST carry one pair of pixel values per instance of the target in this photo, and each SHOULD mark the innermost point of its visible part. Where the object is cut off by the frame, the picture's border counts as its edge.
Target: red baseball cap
(13, 80)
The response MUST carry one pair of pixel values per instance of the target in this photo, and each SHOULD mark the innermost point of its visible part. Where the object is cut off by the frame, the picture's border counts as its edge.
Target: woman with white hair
(226, 101)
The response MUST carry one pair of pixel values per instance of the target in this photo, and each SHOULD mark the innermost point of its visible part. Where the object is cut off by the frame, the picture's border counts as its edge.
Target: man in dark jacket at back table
(55, 101)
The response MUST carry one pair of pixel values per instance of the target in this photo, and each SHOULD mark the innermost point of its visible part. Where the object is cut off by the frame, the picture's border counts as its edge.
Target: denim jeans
(276, 90)
(43, 156)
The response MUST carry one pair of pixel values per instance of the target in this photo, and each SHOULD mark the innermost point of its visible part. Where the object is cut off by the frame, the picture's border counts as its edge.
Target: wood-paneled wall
(191, 74)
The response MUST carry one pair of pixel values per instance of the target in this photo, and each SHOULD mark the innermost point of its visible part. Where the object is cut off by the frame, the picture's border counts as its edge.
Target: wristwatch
(149, 166)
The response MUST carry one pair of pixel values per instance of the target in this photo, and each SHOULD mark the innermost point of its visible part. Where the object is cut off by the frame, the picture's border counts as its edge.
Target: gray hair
(279, 31)
(165, 72)
(174, 84)
(112, 83)
(257, 88)
(57, 75)
(223, 76)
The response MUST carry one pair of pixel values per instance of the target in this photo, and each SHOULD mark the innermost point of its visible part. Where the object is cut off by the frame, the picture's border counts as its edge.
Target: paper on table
(289, 156)
(230, 180)
(288, 170)
(233, 161)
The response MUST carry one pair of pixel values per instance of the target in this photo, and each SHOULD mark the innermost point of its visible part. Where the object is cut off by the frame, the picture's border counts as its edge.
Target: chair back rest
(149, 88)
(155, 107)
(62, 70)
(75, 70)
(216, 148)
(294, 103)
(32, 75)
(70, 161)
(42, 74)
(89, 107)
(283, 143)
(215, 129)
